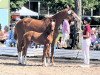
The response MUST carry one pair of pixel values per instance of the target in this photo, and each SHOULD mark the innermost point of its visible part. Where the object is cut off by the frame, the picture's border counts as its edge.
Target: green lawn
(59, 35)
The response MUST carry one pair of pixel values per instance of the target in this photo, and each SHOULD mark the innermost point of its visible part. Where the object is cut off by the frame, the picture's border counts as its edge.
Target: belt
(85, 37)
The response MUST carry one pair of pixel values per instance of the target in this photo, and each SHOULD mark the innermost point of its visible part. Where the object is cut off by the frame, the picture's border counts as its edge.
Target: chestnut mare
(29, 24)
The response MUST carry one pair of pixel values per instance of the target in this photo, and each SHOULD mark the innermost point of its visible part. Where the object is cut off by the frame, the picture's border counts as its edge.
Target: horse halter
(70, 12)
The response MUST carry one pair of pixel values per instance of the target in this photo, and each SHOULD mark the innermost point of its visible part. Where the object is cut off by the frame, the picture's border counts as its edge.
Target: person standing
(93, 37)
(10, 39)
(73, 34)
(65, 31)
(86, 41)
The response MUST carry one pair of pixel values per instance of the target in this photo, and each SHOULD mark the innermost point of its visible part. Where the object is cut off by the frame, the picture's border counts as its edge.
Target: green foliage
(60, 4)
(88, 4)
(56, 5)
(16, 4)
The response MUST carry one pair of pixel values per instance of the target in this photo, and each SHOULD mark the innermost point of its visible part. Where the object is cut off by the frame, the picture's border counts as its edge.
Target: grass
(59, 35)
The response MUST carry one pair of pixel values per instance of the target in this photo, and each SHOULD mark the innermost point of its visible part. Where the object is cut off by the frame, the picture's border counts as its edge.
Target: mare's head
(60, 16)
(69, 14)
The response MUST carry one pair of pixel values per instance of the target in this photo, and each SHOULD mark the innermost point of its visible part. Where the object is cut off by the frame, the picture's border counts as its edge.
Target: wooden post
(38, 9)
(78, 5)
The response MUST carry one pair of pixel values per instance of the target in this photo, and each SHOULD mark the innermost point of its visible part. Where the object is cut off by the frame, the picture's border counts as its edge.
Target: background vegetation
(56, 5)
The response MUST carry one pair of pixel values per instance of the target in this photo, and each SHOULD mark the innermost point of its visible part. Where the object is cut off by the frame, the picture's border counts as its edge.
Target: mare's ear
(69, 9)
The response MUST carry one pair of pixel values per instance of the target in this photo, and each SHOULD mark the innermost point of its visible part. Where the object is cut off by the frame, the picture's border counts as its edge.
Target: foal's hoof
(52, 64)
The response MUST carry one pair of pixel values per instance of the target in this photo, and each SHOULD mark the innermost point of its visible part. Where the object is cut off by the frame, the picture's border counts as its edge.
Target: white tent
(26, 12)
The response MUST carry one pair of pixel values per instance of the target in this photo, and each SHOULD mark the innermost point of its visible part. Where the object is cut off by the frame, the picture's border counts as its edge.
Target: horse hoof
(45, 65)
(52, 64)
(19, 63)
(22, 64)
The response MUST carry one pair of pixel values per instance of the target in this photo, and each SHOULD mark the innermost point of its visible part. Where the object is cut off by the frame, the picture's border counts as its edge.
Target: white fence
(12, 51)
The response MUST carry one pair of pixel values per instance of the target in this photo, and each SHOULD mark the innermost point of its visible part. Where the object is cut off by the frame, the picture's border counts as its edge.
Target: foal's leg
(52, 54)
(48, 53)
(44, 56)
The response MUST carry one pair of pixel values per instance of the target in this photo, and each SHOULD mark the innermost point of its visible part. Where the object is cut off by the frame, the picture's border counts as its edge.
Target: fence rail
(12, 51)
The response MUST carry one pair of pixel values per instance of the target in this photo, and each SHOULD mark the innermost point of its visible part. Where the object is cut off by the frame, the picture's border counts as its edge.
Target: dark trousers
(74, 40)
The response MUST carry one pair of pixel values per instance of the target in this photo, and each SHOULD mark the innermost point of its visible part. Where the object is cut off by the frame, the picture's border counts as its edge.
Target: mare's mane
(59, 13)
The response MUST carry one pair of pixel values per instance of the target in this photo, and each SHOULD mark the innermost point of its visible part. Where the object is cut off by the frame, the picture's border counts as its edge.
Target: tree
(78, 5)
(56, 5)
(88, 4)
(16, 4)
(60, 4)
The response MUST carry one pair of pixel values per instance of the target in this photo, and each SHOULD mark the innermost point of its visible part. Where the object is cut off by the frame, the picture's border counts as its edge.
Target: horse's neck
(59, 17)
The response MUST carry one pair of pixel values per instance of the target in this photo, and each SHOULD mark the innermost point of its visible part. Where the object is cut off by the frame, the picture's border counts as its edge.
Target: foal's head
(50, 27)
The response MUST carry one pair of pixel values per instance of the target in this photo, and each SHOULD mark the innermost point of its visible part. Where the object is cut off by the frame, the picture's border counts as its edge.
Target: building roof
(26, 12)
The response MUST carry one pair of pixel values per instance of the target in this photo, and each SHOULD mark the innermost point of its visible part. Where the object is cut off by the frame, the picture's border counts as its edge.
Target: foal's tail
(15, 34)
